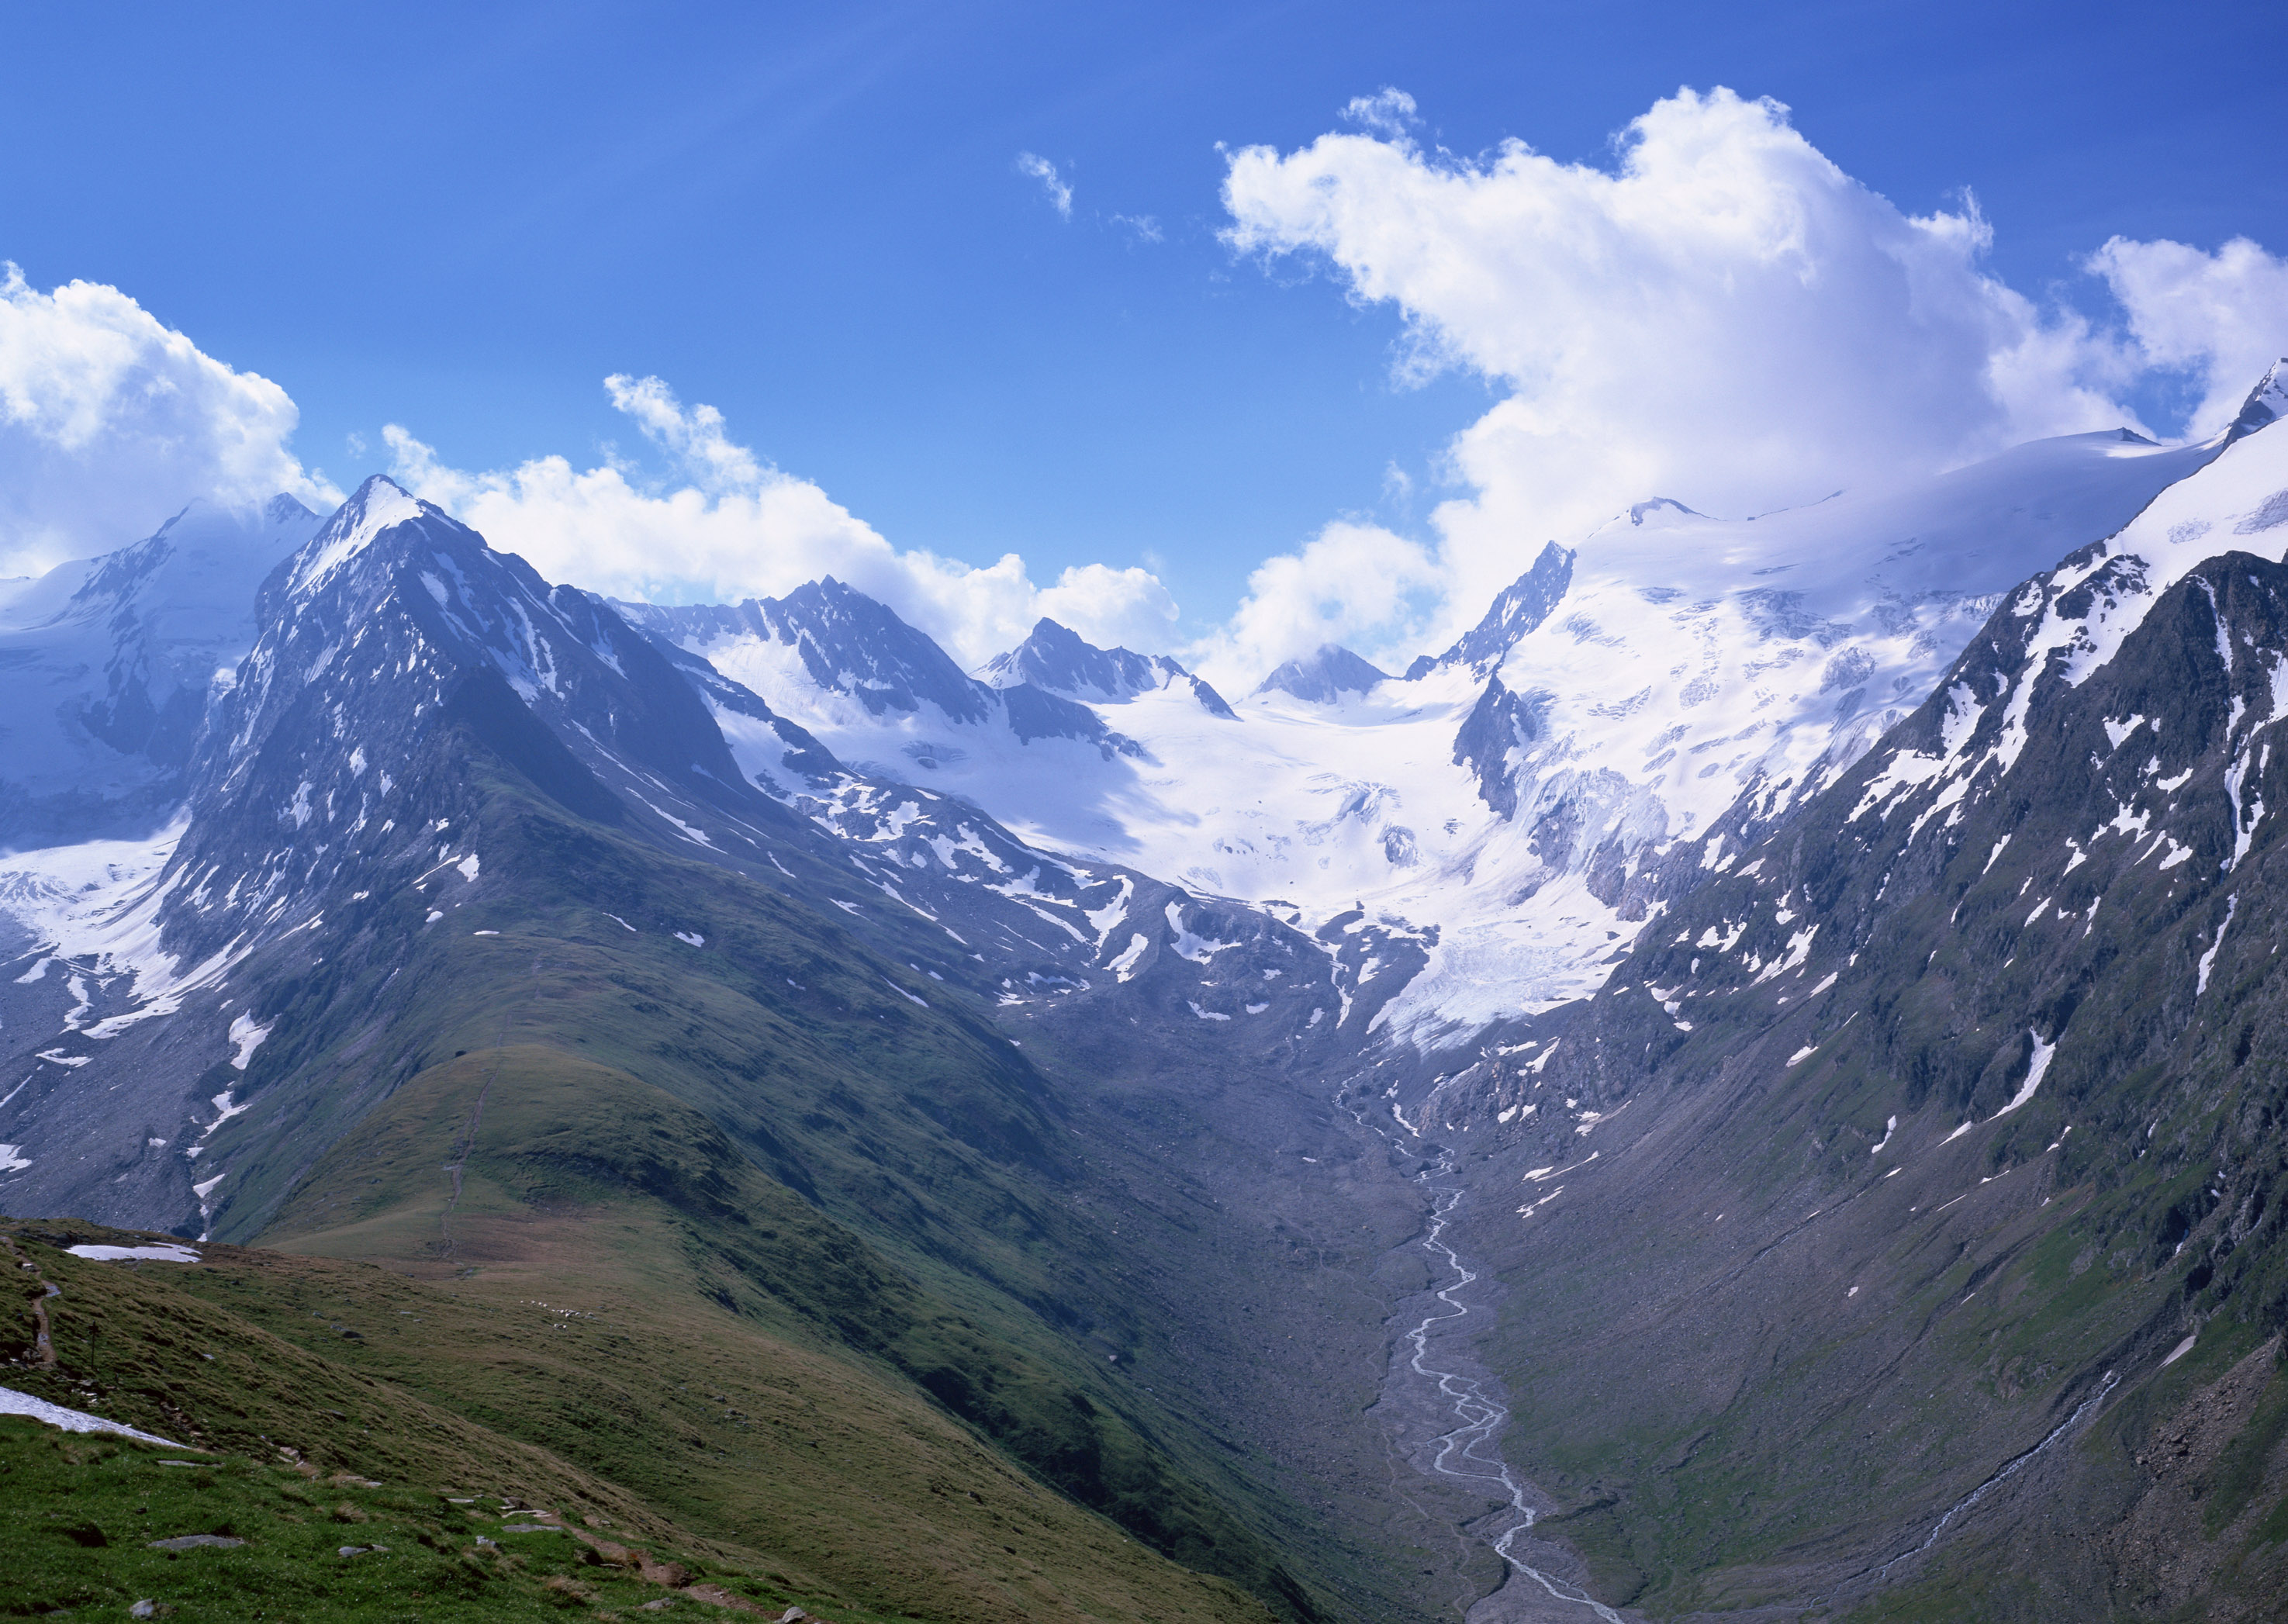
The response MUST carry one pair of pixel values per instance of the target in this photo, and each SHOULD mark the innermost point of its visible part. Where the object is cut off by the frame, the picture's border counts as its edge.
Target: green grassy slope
(87, 1514)
(772, 1469)
(860, 1107)
(577, 1176)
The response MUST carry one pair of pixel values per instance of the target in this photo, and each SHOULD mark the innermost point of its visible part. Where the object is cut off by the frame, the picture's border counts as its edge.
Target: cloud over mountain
(726, 525)
(2219, 319)
(1723, 316)
(110, 421)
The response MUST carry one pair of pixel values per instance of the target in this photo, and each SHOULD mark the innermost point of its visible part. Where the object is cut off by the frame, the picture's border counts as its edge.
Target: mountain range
(1818, 966)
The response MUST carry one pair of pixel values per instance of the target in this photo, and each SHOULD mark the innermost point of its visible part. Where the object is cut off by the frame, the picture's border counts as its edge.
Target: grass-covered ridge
(574, 1176)
(846, 1148)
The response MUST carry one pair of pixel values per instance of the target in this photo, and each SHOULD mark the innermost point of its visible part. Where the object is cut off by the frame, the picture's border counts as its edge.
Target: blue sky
(461, 219)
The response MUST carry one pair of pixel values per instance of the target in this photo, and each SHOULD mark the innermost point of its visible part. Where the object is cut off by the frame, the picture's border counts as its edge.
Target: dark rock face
(2266, 403)
(1520, 608)
(1035, 714)
(1500, 722)
(1324, 677)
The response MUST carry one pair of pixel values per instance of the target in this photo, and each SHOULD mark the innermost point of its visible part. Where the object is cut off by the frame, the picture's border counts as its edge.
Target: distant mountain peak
(856, 648)
(1324, 676)
(1057, 660)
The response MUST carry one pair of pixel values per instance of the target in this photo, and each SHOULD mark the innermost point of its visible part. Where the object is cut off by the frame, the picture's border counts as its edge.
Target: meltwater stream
(1431, 1382)
(1469, 1452)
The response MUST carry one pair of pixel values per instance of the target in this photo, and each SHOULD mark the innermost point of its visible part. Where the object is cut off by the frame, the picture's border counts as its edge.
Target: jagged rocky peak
(833, 665)
(378, 505)
(1517, 610)
(2267, 401)
(412, 613)
(1057, 660)
(1498, 724)
(847, 643)
(1324, 676)
(877, 656)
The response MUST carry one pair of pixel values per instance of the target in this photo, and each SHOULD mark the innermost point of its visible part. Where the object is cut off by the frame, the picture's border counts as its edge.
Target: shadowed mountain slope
(1904, 1221)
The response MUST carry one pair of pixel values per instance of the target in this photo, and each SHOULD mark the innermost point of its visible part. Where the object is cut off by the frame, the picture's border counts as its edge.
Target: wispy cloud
(1032, 165)
(1388, 112)
(2219, 320)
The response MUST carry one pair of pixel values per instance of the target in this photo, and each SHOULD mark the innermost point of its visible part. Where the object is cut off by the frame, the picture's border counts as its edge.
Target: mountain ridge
(1085, 1093)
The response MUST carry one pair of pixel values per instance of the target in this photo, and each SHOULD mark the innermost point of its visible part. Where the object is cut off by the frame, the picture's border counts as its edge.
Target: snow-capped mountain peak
(378, 505)
(1324, 676)
(1518, 609)
(858, 681)
(830, 636)
(107, 664)
(2267, 401)
(1057, 659)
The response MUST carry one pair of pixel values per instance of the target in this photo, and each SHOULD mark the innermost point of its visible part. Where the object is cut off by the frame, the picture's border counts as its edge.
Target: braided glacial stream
(1470, 1451)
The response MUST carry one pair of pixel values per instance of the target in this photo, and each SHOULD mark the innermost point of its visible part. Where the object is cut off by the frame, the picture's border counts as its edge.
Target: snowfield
(1692, 668)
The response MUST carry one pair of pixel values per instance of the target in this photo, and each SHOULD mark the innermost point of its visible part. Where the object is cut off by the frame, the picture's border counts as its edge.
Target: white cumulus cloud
(1352, 583)
(729, 525)
(2221, 319)
(110, 421)
(1722, 316)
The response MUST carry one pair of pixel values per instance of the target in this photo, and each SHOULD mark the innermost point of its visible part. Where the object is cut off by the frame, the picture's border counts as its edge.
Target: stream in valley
(1447, 1417)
